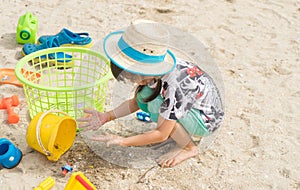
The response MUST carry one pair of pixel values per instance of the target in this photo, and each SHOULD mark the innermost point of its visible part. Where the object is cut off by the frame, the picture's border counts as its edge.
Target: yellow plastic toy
(78, 181)
(47, 184)
(51, 134)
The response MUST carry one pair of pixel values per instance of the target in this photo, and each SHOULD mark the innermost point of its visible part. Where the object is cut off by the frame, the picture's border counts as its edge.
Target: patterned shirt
(189, 87)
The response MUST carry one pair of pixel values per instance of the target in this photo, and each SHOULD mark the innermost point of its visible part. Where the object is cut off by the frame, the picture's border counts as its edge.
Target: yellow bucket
(50, 134)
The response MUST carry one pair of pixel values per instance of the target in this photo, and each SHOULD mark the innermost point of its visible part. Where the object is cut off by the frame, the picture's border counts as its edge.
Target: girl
(178, 95)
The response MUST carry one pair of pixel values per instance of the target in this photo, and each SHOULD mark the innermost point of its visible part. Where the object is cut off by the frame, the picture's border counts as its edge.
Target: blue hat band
(139, 56)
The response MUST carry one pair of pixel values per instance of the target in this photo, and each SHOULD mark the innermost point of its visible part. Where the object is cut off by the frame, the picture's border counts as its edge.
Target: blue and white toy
(143, 116)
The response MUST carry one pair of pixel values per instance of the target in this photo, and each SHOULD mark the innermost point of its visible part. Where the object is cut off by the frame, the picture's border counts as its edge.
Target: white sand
(256, 46)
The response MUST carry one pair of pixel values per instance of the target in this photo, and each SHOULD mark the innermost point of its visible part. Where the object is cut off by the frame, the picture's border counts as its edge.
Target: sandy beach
(256, 46)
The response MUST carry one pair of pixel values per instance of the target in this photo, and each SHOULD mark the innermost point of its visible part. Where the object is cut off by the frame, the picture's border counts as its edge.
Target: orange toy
(8, 103)
(7, 76)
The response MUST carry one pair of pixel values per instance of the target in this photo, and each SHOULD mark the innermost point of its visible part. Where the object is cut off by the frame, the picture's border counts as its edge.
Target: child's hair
(116, 71)
(155, 93)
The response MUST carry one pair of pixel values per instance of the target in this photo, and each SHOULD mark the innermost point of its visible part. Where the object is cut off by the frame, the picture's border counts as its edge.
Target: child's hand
(109, 139)
(93, 120)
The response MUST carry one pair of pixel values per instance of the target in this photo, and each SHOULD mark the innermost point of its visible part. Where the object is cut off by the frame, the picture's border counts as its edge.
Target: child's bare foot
(176, 156)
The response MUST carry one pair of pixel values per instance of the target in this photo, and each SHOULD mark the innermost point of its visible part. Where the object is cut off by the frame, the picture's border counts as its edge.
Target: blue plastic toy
(67, 168)
(143, 116)
(10, 155)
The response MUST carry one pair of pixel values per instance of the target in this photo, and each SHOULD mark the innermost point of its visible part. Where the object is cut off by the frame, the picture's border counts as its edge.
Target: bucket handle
(38, 128)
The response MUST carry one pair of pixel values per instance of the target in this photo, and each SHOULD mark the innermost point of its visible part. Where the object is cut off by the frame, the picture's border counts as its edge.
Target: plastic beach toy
(47, 184)
(51, 134)
(10, 155)
(8, 104)
(81, 85)
(67, 38)
(79, 182)
(27, 29)
(7, 76)
(143, 116)
(66, 169)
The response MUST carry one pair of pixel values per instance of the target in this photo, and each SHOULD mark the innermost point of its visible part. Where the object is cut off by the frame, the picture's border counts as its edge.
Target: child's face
(145, 81)
(140, 80)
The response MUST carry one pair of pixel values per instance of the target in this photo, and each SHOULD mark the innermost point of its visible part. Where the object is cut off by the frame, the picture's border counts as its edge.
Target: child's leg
(184, 150)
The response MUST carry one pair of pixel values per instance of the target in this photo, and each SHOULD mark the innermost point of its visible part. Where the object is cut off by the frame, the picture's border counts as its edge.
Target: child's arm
(160, 134)
(122, 110)
(96, 119)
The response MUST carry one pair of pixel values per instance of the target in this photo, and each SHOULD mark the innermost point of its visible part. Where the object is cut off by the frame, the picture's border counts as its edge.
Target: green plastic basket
(65, 78)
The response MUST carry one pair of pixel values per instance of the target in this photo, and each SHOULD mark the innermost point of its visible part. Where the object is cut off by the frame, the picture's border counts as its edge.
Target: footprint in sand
(255, 140)
(285, 172)
(281, 70)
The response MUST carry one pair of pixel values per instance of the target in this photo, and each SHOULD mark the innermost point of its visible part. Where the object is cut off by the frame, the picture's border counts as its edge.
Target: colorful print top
(189, 87)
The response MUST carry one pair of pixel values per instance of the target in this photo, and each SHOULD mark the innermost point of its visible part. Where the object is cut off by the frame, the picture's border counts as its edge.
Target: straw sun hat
(141, 49)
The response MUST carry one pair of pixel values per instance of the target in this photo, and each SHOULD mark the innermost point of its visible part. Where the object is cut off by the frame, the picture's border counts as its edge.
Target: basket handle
(38, 128)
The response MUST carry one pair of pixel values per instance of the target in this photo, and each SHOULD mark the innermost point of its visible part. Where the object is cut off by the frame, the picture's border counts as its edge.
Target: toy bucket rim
(33, 55)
